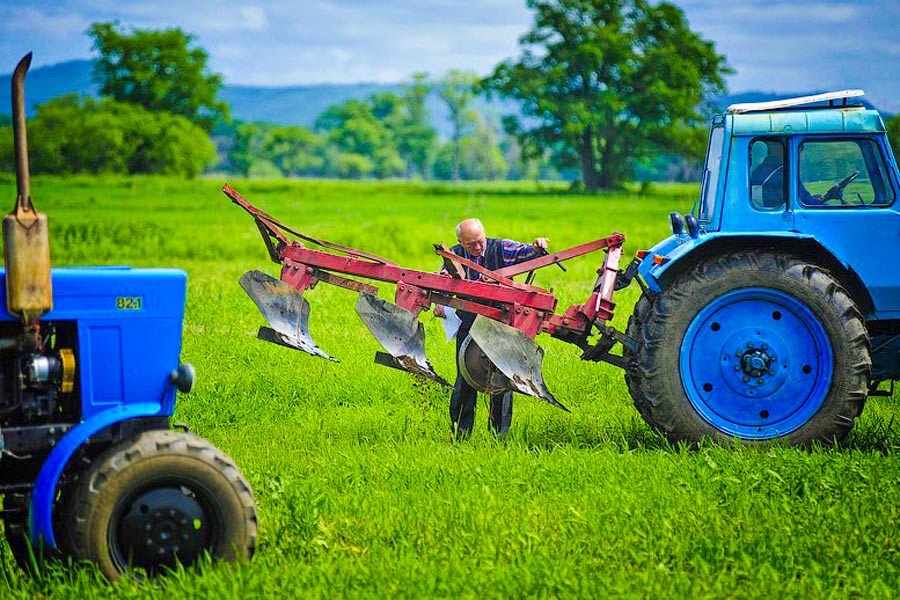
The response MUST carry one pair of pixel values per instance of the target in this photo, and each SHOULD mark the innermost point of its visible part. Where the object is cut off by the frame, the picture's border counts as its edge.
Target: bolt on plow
(500, 353)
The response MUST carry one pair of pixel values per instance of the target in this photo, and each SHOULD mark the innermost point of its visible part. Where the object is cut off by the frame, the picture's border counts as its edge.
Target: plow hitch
(500, 353)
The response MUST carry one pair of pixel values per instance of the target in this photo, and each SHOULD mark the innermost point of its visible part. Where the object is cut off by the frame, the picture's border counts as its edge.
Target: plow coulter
(499, 355)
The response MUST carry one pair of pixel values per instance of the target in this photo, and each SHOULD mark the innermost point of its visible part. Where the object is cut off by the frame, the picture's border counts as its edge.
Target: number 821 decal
(129, 303)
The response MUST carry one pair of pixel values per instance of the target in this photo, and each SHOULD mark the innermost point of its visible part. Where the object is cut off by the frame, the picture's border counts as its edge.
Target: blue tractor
(89, 367)
(773, 310)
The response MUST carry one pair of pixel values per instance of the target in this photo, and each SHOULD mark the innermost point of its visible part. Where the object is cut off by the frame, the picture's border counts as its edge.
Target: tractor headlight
(183, 377)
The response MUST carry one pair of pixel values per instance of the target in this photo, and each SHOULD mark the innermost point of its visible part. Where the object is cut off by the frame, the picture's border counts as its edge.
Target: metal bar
(296, 258)
(276, 224)
(454, 266)
(492, 275)
(556, 257)
(267, 235)
(20, 146)
(350, 284)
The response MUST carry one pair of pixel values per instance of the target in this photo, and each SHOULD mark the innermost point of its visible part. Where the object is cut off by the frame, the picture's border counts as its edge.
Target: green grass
(360, 491)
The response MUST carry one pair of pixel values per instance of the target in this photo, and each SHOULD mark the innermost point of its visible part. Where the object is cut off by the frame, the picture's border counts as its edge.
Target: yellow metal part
(67, 356)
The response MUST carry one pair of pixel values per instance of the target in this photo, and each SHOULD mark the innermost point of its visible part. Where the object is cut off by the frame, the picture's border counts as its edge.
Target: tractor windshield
(710, 181)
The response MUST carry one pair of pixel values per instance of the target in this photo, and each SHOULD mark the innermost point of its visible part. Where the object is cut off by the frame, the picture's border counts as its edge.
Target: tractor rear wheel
(750, 346)
(157, 500)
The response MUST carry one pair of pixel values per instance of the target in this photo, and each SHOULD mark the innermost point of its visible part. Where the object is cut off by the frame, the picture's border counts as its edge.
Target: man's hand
(541, 242)
(439, 311)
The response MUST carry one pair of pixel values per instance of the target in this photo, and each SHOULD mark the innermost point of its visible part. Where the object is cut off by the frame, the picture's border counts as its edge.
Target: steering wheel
(837, 190)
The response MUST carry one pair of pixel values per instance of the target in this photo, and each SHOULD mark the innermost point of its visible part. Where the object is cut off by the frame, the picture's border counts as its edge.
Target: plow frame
(527, 308)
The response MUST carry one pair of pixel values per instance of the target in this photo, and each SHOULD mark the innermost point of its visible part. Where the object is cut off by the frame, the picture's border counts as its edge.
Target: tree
(361, 129)
(159, 70)
(72, 134)
(474, 156)
(607, 82)
(893, 131)
(293, 150)
(415, 135)
(457, 90)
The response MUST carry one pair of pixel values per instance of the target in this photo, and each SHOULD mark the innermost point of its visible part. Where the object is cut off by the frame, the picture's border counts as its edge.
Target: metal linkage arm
(616, 239)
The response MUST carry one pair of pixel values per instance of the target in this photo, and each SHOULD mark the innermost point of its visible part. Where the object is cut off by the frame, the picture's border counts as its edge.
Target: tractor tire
(157, 500)
(753, 347)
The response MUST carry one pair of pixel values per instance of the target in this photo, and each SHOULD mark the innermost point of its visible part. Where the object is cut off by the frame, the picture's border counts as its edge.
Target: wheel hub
(756, 362)
(161, 526)
(773, 360)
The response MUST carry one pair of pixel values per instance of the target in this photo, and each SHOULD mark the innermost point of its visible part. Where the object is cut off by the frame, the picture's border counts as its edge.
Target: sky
(773, 45)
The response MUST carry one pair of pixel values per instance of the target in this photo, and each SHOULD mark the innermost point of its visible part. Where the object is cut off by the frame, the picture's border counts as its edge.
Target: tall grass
(361, 492)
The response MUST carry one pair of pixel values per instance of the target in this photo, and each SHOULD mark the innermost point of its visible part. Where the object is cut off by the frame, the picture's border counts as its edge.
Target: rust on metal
(26, 233)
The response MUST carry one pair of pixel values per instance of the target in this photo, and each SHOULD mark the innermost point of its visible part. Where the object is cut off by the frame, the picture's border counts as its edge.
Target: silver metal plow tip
(515, 355)
(286, 311)
(400, 333)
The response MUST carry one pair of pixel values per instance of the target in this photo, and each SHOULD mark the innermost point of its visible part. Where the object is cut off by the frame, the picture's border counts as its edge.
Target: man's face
(473, 240)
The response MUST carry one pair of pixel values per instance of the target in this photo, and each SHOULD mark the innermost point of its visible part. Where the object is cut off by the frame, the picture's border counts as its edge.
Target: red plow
(501, 353)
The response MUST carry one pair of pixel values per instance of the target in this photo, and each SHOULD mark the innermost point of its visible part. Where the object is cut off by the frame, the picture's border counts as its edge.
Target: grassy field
(361, 492)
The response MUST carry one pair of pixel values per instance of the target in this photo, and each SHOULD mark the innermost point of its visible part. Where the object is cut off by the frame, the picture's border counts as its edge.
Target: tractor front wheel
(160, 499)
(750, 346)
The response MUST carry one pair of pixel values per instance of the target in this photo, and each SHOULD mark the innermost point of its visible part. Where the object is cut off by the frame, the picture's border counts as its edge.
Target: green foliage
(457, 90)
(72, 134)
(415, 135)
(159, 70)
(607, 83)
(893, 131)
(360, 491)
(365, 130)
(476, 156)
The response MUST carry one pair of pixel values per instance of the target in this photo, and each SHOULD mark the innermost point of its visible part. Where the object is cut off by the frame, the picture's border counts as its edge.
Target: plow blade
(400, 333)
(515, 355)
(286, 311)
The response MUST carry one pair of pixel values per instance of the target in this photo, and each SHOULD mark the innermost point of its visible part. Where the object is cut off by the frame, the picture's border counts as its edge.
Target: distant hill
(294, 105)
(44, 83)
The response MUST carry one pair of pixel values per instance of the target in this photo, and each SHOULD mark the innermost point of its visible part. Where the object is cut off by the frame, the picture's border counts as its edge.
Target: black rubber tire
(159, 460)
(660, 321)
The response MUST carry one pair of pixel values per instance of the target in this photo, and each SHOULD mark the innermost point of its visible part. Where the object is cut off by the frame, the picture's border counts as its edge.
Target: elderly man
(491, 253)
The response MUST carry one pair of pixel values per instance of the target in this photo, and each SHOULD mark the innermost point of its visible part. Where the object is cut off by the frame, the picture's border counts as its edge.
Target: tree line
(606, 89)
(382, 136)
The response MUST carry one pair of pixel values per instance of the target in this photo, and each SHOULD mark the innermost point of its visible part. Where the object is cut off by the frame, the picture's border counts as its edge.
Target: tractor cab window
(843, 173)
(768, 174)
(710, 182)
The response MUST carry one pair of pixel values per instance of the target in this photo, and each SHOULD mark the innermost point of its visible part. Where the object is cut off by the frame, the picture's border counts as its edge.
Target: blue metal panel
(42, 499)
(129, 331)
(819, 121)
(868, 238)
(680, 247)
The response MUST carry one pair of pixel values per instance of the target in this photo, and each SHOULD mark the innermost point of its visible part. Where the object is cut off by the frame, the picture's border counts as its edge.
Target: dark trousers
(465, 397)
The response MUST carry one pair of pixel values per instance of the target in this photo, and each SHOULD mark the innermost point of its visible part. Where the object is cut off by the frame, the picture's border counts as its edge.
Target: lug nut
(737, 367)
(750, 345)
(764, 347)
(745, 379)
(760, 381)
(771, 371)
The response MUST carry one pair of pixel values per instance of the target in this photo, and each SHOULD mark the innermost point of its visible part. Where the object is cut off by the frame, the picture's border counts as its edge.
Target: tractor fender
(40, 520)
(683, 251)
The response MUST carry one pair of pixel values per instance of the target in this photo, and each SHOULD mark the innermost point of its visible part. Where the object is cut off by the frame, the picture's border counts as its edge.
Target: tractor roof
(830, 97)
(795, 115)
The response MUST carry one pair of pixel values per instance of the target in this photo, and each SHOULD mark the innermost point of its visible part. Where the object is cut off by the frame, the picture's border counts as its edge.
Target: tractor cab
(815, 172)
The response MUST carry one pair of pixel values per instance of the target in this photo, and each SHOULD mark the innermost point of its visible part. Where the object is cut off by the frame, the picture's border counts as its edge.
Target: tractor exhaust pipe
(26, 237)
(20, 139)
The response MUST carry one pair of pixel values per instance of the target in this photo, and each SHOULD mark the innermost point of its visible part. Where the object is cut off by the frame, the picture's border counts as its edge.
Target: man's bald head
(471, 236)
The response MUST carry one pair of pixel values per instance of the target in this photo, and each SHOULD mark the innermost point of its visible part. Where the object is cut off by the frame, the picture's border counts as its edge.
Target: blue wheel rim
(756, 363)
